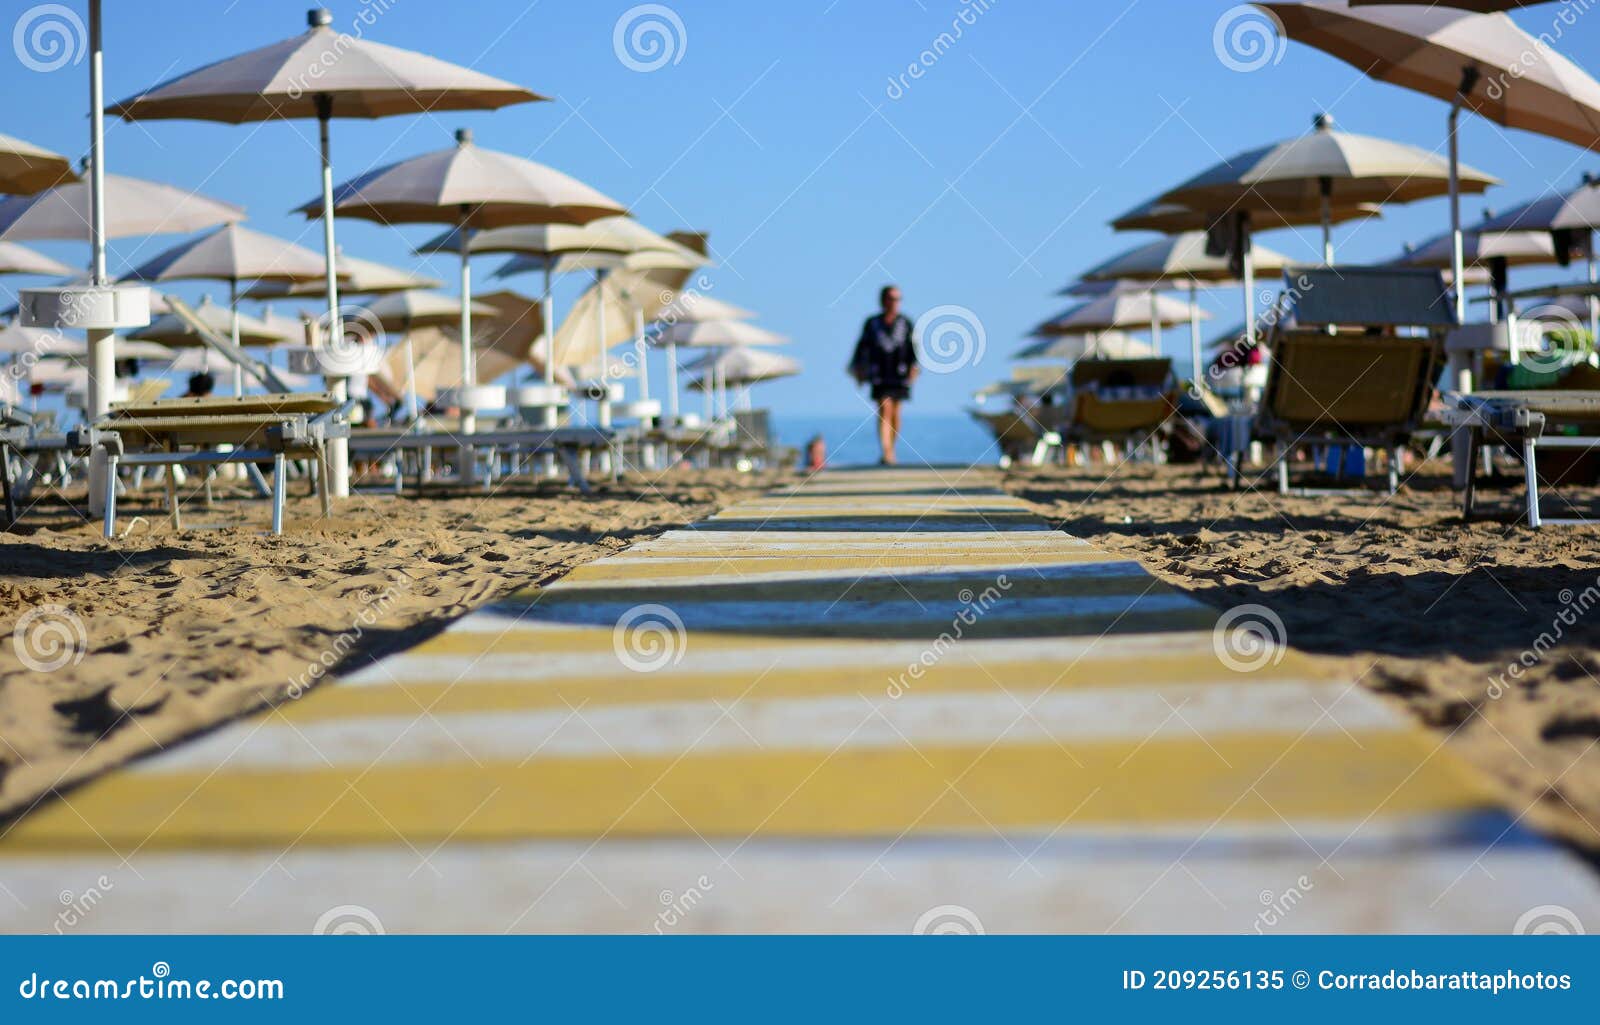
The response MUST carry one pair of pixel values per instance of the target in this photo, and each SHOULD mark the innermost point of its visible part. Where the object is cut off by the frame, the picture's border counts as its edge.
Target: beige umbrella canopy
(1181, 257)
(26, 168)
(702, 334)
(740, 366)
(693, 307)
(1322, 170)
(1481, 249)
(1116, 312)
(1481, 62)
(15, 259)
(1156, 215)
(356, 277)
(133, 207)
(171, 330)
(1100, 344)
(472, 188)
(401, 311)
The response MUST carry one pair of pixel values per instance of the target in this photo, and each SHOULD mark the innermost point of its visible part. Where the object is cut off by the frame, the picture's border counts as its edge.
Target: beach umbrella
(473, 188)
(1571, 218)
(1154, 215)
(26, 168)
(1181, 258)
(17, 340)
(1117, 312)
(356, 277)
(1101, 344)
(399, 312)
(741, 368)
(171, 330)
(232, 254)
(1322, 170)
(1493, 252)
(1480, 6)
(322, 74)
(134, 207)
(1481, 62)
(15, 259)
(703, 334)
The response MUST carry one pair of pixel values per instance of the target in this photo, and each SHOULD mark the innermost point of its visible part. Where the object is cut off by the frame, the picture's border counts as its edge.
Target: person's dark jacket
(885, 354)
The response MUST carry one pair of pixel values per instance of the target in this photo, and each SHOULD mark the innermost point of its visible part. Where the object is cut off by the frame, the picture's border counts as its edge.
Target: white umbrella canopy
(15, 259)
(1179, 258)
(1117, 312)
(16, 340)
(134, 207)
(468, 186)
(1340, 167)
(356, 277)
(26, 168)
(1085, 289)
(739, 365)
(704, 334)
(1516, 248)
(1105, 344)
(172, 330)
(695, 307)
(1155, 215)
(1483, 63)
(399, 311)
(231, 253)
(1576, 210)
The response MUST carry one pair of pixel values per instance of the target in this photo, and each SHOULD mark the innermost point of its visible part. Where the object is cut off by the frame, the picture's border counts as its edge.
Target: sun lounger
(1525, 421)
(569, 444)
(1015, 434)
(212, 431)
(1342, 372)
(1123, 401)
(27, 442)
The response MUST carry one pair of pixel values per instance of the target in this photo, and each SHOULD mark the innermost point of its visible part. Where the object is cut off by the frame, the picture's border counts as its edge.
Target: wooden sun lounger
(211, 431)
(1099, 412)
(1523, 421)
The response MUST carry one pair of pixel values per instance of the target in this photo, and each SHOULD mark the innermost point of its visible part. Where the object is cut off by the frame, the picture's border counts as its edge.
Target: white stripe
(811, 540)
(1178, 711)
(979, 576)
(810, 654)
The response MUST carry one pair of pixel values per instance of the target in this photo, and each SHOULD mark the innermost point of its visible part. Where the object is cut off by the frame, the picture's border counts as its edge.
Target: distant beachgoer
(816, 454)
(886, 359)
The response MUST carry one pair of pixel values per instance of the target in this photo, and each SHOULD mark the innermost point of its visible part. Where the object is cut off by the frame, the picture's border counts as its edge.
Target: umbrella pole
(233, 317)
(467, 469)
(1247, 259)
(338, 448)
(603, 408)
(1155, 325)
(102, 343)
(1594, 301)
(1457, 244)
(1194, 332)
(672, 383)
(413, 401)
(1327, 222)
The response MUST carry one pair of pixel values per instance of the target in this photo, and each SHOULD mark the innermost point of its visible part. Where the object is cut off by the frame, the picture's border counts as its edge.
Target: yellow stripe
(1006, 589)
(620, 687)
(798, 794)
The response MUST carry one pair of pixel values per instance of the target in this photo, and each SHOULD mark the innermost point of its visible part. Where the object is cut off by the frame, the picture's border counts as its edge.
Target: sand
(113, 650)
(1401, 593)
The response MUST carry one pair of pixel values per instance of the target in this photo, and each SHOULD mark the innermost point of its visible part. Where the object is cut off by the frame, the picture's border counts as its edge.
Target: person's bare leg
(886, 429)
(894, 429)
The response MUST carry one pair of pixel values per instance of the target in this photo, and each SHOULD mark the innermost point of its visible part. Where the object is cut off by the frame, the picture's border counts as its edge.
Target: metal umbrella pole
(466, 467)
(339, 385)
(102, 343)
(603, 406)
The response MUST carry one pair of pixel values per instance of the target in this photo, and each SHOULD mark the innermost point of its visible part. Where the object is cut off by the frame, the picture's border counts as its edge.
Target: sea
(926, 438)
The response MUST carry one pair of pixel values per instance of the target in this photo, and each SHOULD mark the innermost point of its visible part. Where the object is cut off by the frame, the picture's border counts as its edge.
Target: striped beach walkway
(878, 701)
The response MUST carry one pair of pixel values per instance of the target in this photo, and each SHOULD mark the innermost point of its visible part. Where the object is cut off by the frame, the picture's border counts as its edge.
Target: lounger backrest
(1329, 382)
(1130, 373)
(1368, 297)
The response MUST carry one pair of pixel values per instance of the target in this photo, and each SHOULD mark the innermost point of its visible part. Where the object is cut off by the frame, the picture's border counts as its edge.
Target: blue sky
(985, 184)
